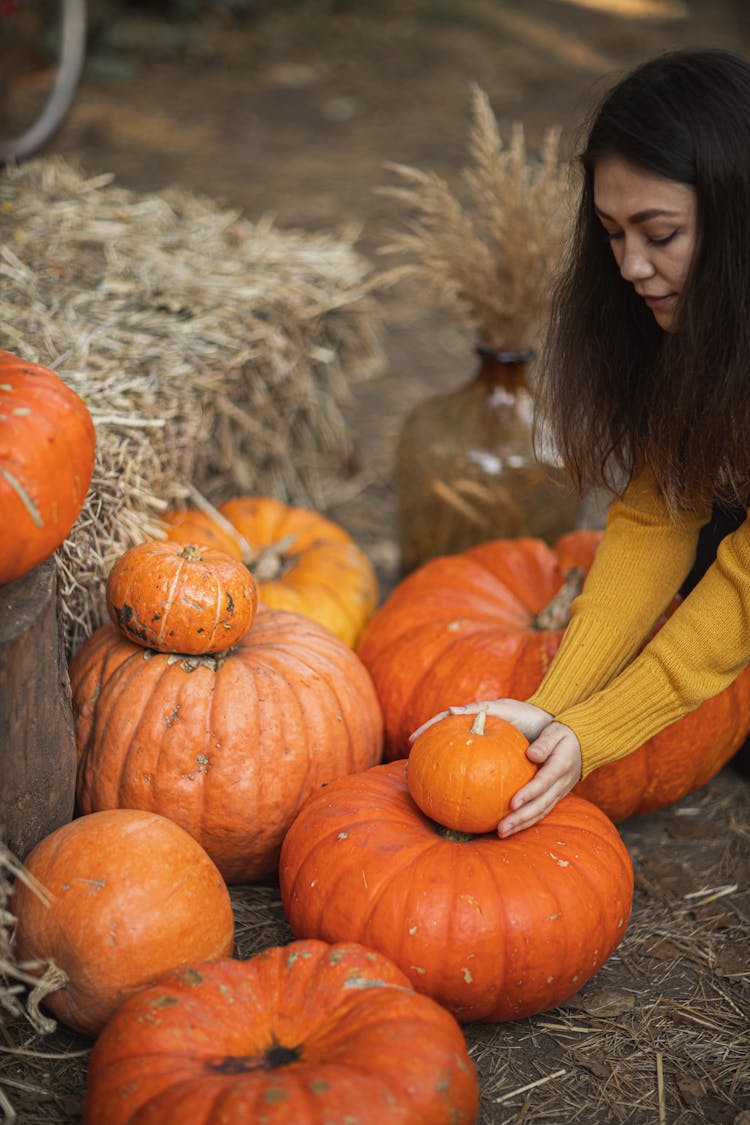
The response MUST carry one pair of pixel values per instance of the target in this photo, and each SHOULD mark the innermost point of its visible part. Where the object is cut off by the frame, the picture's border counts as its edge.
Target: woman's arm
(695, 655)
(640, 564)
(700, 650)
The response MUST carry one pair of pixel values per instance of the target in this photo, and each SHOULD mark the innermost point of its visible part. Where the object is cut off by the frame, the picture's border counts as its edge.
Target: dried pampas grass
(209, 350)
(487, 259)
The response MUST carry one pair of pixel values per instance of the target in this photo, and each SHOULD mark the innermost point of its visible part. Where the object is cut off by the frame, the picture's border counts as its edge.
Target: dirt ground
(293, 110)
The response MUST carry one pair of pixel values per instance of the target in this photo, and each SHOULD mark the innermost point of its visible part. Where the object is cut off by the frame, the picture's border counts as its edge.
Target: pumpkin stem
(52, 981)
(480, 720)
(556, 615)
(189, 663)
(268, 564)
(218, 517)
(191, 553)
(454, 834)
(275, 1056)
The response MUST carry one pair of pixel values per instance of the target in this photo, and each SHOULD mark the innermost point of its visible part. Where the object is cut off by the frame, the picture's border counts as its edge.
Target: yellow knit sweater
(613, 696)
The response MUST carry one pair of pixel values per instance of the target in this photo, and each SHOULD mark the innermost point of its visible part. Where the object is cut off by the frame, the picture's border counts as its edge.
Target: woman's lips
(657, 302)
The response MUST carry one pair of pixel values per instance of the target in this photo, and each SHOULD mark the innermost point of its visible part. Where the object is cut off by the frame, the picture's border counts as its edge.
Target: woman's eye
(663, 241)
(611, 235)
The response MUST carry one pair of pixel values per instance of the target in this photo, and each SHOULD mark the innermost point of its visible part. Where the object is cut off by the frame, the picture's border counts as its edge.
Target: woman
(646, 379)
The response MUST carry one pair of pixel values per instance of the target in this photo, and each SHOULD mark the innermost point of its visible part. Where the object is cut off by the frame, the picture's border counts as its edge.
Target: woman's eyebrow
(639, 216)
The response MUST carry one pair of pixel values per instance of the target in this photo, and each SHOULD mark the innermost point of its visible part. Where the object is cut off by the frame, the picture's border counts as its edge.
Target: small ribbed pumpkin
(297, 1035)
(47, 448)
(181, 598)
(485, 624)
(227, 745)
(464, 769)
(125, 896)
(302, 561)
(492, 929)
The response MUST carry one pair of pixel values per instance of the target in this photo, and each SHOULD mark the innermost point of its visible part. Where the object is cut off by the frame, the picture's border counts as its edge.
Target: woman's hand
(527, 718)
(557, 753)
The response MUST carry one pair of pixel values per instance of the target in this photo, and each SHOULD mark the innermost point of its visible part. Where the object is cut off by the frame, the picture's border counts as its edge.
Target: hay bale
(208, 349)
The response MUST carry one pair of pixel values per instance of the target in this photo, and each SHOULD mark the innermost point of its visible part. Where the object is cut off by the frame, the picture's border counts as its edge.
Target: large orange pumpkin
(47, 446)
(127, 896)
(176, 598)
(228, 745)
(300, 1034)
(301, 561)
(478, 626)
(492, 929)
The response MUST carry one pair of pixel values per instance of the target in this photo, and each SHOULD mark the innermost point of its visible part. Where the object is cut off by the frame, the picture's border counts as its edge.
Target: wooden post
(37, 740)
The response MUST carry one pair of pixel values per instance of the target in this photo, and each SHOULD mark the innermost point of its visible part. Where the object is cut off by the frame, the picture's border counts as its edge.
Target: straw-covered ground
(294, 113)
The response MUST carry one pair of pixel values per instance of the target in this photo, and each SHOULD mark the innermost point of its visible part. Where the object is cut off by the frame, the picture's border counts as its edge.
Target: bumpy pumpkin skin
(463, 627)
(228, 746)
(47, 448)
(464, 770)
(176, 598)
(301, 1034)
(491, 929)
(131, 896)
(301, 561)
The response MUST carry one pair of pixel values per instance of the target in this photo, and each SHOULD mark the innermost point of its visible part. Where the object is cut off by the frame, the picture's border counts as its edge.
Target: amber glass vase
(467, 470)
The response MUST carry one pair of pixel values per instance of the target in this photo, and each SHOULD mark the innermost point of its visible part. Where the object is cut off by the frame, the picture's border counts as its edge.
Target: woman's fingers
(559, 752)
(429, 723)
(527, 718)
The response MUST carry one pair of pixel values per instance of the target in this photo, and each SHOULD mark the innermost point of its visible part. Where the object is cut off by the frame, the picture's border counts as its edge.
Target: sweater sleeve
(703, 646)
(642, 560)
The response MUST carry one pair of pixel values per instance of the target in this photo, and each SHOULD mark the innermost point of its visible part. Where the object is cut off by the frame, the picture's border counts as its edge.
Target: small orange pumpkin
(176, 598)
(463, 770)
(303, 1033)
(302, 561)
(47, 447)
(126, 896)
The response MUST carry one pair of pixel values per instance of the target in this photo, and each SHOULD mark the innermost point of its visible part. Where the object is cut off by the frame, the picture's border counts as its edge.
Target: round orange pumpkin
(479, 625)
(47, 447)
(492, 929)
(301, 561)
(464, 770)
(298, 1035)
(127, 895)
(176, 598)
(227, 745)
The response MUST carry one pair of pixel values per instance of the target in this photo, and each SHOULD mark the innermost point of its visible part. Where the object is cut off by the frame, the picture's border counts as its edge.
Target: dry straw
(488, 253)
(209, 350)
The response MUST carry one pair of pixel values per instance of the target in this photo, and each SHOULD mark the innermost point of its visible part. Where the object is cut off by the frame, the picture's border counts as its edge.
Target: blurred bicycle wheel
(42, 52)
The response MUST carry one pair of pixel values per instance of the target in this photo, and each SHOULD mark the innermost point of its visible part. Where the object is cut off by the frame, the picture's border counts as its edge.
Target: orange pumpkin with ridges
(228, 745)
(298, 1035)
(176, 598)
(491, 929)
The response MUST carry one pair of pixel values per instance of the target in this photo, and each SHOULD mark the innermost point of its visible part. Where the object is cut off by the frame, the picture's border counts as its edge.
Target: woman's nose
(635, 264)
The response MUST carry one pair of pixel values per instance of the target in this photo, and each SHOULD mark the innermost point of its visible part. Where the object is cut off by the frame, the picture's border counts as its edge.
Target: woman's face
(651, 225)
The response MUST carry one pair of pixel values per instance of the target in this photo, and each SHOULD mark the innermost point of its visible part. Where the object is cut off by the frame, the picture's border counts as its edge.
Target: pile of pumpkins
(245, 716)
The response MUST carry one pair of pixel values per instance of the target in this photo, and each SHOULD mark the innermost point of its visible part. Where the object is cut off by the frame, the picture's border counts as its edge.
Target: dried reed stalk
(487, 259)
(209, 350)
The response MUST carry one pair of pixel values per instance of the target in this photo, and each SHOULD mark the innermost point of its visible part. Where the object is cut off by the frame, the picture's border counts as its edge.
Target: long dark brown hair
(616, 392)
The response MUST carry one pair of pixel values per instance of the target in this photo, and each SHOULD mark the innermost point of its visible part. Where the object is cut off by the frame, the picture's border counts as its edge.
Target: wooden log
(37, 739)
